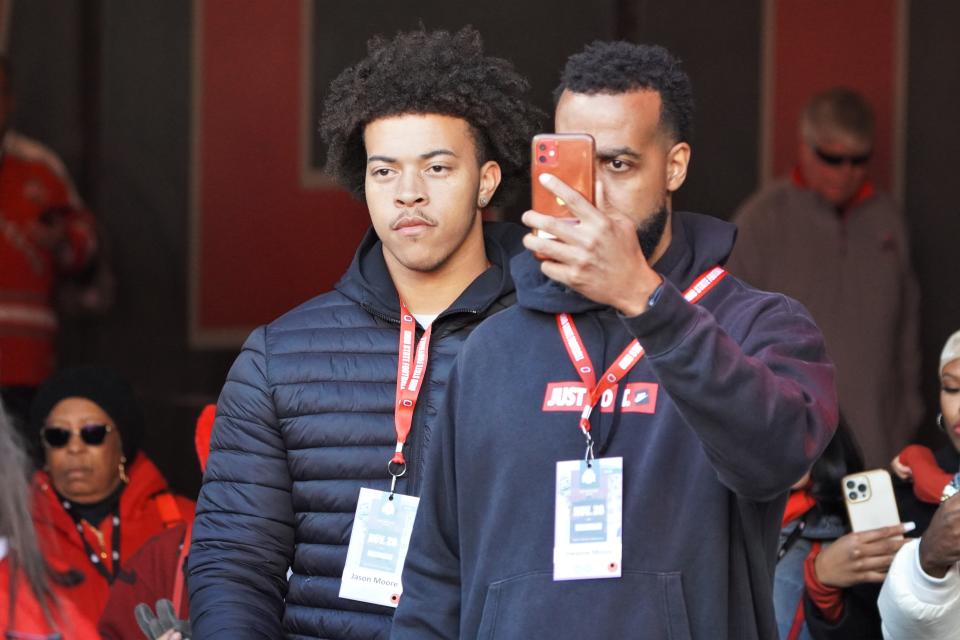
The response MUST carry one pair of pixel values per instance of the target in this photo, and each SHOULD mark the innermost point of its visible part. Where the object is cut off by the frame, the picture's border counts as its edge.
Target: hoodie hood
(368, 283)
(699, 242)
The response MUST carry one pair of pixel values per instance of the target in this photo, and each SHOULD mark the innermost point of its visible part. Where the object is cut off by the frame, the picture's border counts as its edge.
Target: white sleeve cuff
(927, 588)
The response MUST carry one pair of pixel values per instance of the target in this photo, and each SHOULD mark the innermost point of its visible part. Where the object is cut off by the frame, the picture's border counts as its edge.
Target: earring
(483, 202)
(940, 424)
(123, 470)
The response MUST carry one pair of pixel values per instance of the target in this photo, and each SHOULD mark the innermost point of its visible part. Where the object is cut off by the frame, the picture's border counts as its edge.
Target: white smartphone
(870, 500)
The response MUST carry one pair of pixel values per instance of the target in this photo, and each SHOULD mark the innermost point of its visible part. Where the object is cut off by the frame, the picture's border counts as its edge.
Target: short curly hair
(435, 72)
(618, 67)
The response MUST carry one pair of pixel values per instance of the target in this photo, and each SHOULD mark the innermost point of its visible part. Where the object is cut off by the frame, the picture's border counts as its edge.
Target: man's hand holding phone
(600, 257)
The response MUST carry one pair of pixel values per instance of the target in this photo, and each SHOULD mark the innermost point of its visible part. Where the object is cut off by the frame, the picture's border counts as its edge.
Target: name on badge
(378, 547)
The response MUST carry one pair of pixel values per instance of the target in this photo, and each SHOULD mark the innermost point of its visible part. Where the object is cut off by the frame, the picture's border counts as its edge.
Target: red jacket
(152, 574)
(157, 569)
(147, 507)
(28, 616)
(28, 270)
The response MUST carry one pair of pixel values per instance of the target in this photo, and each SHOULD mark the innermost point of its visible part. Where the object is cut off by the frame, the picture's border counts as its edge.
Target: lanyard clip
(585, 428)
(396, 468)
(588, 454)
(393, 485)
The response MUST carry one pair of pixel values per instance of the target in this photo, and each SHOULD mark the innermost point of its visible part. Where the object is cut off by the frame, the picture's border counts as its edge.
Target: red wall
(265, 242)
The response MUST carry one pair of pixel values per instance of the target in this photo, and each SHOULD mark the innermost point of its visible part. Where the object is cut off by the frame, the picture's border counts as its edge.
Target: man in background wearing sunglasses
(828, 238)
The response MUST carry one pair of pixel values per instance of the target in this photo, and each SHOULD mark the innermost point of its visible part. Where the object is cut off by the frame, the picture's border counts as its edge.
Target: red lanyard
(411, 367)
(624, 362)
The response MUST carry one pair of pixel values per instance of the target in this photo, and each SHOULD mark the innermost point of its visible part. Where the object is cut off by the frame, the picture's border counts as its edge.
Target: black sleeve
(860, 619)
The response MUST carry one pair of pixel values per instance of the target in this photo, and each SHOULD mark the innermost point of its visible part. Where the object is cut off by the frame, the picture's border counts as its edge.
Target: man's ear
(678, 159)
(490, 177)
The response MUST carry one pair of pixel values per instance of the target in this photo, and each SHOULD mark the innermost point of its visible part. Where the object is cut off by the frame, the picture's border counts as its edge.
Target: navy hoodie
(745, 404)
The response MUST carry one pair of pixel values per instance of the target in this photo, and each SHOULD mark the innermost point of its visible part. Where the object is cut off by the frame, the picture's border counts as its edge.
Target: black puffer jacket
(304, 421)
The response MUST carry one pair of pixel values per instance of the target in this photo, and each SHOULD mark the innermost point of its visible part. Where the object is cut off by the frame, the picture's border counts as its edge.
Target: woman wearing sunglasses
(98, 499)
(30, 608)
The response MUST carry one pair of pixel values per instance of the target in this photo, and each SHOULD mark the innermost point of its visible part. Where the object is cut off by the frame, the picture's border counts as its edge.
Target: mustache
(415, 215)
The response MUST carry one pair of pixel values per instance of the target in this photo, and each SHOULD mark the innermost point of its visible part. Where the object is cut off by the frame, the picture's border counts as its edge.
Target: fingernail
(909, 526)
(545, 178)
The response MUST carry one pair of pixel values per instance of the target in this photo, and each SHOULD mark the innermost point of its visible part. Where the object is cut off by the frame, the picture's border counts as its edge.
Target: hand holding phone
(599, 256)
(861, 557)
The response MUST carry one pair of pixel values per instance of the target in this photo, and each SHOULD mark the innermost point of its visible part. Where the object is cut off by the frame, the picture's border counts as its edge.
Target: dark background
(107, 84)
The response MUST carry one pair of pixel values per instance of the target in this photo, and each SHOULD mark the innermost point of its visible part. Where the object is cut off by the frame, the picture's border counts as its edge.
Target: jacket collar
(368, 282)
(864, 192)
(699, 243)
(146, 481)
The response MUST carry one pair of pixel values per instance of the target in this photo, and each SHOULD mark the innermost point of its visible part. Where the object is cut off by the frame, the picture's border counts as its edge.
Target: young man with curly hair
(321, 404)
(656, 513)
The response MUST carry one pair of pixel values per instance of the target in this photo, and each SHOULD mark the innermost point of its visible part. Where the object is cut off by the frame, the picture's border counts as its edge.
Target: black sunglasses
(836, 161)
(93, 435)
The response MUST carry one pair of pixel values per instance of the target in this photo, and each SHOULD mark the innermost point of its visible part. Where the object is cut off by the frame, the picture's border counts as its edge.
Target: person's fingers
(882, 547)
(885, 532)
(901, 470)
(558, 272)
(552, 249)
(574, 200)
(874, 563)
(565, 229)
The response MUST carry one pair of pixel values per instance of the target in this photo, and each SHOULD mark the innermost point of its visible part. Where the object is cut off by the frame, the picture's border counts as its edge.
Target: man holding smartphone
(328, 410)
(651, 412)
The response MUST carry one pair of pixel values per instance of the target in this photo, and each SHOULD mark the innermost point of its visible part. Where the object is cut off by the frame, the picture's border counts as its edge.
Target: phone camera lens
(862, 488)
(853, 495)
(543, 158)
(851, 484)
(543, 147)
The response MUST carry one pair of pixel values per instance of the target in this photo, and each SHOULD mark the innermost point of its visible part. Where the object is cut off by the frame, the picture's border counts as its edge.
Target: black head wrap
(100, 385)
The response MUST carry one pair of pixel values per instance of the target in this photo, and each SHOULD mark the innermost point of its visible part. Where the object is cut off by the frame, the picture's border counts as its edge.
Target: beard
(650, 232)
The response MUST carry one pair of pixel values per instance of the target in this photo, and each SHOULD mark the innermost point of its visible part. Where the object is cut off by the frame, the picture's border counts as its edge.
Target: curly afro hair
(432, 72)
(618, 67)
